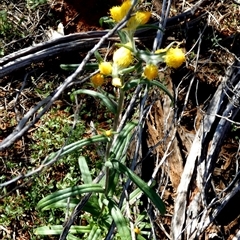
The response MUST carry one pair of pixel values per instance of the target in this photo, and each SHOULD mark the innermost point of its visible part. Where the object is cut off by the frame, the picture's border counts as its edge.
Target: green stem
(115, 126)
(119, 110)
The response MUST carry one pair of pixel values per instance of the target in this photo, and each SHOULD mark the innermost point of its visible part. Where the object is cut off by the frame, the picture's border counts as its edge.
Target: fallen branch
(202, 157)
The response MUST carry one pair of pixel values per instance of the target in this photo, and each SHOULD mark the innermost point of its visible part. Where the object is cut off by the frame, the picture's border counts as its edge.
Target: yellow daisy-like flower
(119, 12)
(105, 68)
(175, 57)
(150, 71)
(117, 82)
(140, 18)
(97, 80)
(123, 57)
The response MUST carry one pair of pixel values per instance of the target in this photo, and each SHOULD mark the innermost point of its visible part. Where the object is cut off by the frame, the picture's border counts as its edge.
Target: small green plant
(53, 129)
(35, 3)
(5, 24)
(106, 206)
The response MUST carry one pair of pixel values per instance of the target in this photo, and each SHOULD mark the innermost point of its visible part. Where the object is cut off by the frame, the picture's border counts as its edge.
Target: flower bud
(137, 230)
(97, 80)
(119, 12)
(150, 71)
(175, 57)
(105, 68)
(123, 57)
(140, 18)
(108, 133)
(117, 82)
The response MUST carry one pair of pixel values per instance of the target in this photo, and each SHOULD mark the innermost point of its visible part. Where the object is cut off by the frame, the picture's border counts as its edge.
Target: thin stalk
(115, 126)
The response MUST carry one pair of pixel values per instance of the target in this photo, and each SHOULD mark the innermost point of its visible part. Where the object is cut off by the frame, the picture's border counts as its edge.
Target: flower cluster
(139, 18)
(127, 54)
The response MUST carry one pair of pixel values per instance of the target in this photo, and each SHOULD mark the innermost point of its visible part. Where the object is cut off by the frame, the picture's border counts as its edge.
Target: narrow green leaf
(65, 203)
(57, 230)
(98, 56)
(132, 83)
(72, 237)
(139, 237)
(92, 205)
(95, 233)
(162, 87)
(149, 192)
(73, 67)
(69, 192)
(110, 104)
(86, 175)
(119, 220)
(76, 146)
(113, 182)
(136, 194)
(121, 139)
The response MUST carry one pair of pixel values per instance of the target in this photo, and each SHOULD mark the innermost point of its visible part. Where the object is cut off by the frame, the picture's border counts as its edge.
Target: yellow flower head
(174, 57)
(137, 230)
(150, 71)
(97, 80)
(140, 18)
(108, 133)
(117, 82)
(123, 57)
(105, 68)
(119, 12)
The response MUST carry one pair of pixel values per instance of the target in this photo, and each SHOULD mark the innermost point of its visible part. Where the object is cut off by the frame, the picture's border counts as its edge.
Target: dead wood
(46, 50)
(195, 194)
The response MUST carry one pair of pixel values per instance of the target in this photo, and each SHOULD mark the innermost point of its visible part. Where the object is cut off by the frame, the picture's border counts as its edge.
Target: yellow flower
(105, 68)
(97, 80)
(109, 133)
(119, 12)
(150, 71)
(126, 5)
(123, 57)
(137, 230)
(116, 13)
(117, 82)
(140, 18)
(174, 57)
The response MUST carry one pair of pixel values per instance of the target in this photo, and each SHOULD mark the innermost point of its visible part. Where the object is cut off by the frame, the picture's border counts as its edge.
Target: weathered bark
(46, 50)
(193, 211)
